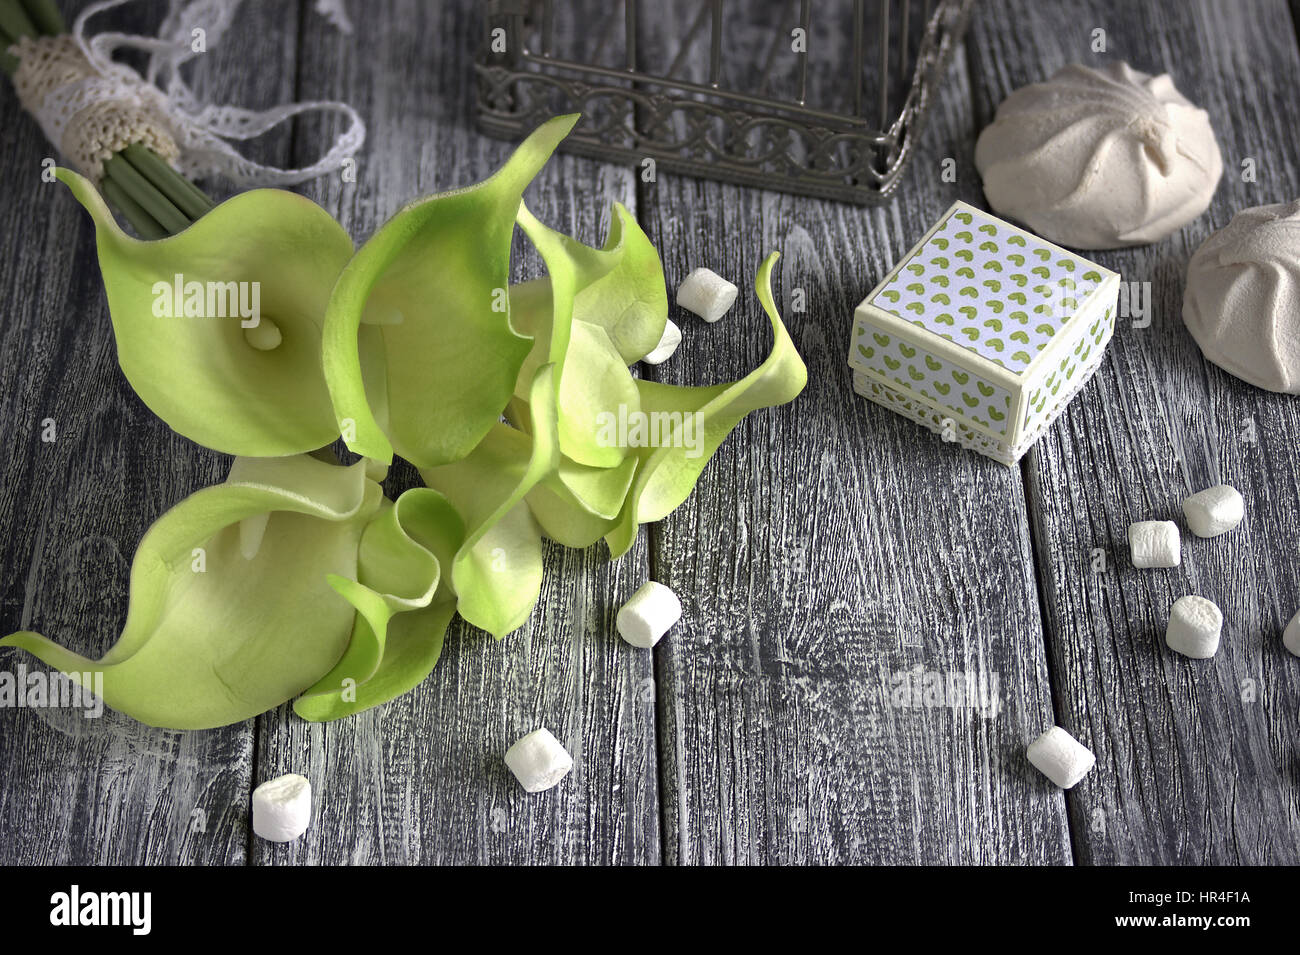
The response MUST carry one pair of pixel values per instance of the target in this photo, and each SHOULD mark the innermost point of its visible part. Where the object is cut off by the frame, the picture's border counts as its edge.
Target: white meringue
(1242, 303)
(1099, 159)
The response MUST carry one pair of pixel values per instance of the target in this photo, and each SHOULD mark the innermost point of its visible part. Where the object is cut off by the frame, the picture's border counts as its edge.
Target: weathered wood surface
(830, 550)
(1196, 760)
(105, 790)
(421, 780)
(833, 551)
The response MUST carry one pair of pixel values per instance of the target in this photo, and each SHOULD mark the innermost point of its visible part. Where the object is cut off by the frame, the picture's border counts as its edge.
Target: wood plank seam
(1044, 616)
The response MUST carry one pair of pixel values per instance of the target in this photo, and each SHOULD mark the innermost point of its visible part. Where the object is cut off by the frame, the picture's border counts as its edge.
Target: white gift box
(983, 332)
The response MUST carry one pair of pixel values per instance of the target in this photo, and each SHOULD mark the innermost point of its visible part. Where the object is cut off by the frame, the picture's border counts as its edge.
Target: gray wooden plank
(1196, 761)
(421, 779)
(831, 549)
(71, 512)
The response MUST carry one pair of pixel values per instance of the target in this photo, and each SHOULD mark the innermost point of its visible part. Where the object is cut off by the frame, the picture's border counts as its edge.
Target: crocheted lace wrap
(91, 105)
(88, 116)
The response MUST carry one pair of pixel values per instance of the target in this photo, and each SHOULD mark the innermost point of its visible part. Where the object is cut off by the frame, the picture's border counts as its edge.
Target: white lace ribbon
(200, 130)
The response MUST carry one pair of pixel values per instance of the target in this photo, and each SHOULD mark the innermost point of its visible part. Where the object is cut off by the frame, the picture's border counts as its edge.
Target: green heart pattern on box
(1059, 380)
(933, 419)
(913, 369)
(995, 291)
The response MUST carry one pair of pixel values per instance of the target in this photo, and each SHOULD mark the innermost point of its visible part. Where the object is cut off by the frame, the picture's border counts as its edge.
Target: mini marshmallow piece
(1291, 636)
(707, 294)
(672, 337)
(648, 615)
(1060, 757)
(1214, 511)
(282, 808)
(1194, 627)
(1155, 544)
(538, 761)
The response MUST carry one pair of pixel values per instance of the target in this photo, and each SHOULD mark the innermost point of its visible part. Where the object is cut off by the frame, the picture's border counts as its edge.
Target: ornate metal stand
(696, 125)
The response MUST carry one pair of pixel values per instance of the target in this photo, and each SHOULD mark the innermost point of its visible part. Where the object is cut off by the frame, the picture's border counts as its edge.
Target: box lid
(988, 287)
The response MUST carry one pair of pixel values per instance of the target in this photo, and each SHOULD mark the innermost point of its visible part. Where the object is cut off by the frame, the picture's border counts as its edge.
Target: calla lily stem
(156, 199)
(45, 16)
(119, 169)
(15, 22)
(183, 194)
(146, 227)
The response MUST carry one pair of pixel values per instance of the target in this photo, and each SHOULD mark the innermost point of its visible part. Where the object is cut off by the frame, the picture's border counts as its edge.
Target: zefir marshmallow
(707, 294)
(1060, 757)
(648, 615)
(1291, 636)
(1155, 544)
(282, 808)
(538, 761)
(1214, 511)
(668, 342)
(1194, 627)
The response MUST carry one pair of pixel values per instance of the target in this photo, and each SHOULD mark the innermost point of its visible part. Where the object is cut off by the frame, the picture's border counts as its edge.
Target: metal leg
(629, 29)
(715, 46)
(858, 42)
(884, 65)
(805, 17)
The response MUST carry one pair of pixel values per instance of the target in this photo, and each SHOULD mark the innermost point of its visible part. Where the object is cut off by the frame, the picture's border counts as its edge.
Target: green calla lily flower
(593, 378)
(667, 474)
(575, 504)
(569, 314)
(578, 505)
(435, 279)
(244, 384)
(619, 287)
(497, 572)
(404, 603)
(213, 635)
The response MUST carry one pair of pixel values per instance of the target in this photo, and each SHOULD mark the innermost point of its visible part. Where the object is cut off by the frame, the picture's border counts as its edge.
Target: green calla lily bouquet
(297, 579)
